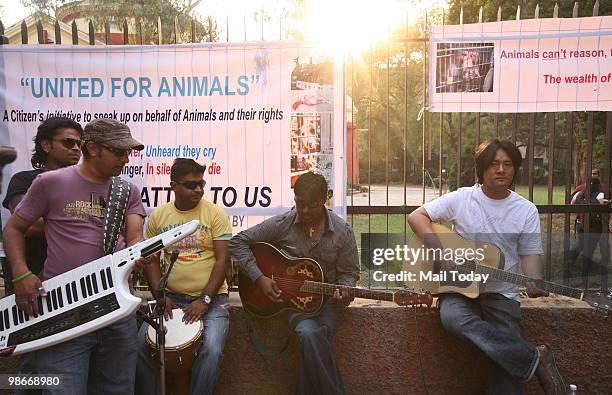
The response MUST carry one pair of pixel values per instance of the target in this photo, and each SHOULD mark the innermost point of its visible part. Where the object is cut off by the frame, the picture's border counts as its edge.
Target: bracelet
(24, 275)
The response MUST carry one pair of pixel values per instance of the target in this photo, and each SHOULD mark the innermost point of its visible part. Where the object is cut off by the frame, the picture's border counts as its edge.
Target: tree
(490, 9)
(135, 11)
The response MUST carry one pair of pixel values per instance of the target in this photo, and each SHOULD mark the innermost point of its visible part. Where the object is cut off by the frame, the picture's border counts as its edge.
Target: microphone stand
(160, 307)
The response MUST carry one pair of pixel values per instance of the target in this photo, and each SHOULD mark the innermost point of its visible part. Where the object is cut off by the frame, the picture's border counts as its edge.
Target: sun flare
(351, 26)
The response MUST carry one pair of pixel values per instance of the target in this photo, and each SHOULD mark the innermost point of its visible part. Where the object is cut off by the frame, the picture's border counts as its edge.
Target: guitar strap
(114, 218)
(257, 341)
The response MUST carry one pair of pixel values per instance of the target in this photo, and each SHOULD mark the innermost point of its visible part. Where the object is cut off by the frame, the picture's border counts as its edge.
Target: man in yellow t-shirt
(197, 280)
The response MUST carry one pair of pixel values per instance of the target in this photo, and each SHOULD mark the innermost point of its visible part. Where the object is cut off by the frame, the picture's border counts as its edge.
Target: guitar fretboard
(330, 289)
(519, 279)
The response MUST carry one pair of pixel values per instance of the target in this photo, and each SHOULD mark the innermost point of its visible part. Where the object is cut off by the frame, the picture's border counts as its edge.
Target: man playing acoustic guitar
(490, 212)
(309, 230)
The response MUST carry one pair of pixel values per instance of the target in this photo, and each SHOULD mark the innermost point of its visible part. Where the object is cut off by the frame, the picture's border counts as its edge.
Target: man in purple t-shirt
(72, 202)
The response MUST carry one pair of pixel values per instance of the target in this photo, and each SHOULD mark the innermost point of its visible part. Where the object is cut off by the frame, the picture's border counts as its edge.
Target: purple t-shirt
(73, 210)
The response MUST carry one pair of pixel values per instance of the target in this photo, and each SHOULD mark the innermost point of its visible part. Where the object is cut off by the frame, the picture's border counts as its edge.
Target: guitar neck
(329, 289)
(521, 280)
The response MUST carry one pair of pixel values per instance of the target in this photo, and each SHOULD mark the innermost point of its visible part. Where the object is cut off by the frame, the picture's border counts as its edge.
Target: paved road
(377, 196)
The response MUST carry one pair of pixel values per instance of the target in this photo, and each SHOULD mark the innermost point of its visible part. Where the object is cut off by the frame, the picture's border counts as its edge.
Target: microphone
(161, 286)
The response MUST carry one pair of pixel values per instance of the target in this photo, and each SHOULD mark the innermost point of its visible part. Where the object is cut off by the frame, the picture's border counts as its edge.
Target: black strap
(258, 343)
(114, 218)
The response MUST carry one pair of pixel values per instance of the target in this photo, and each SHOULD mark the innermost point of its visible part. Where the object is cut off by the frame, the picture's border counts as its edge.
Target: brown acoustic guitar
(302, 284)
(491, 264)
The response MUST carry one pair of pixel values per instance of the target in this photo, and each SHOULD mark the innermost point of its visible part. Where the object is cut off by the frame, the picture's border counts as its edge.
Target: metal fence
(401, 155)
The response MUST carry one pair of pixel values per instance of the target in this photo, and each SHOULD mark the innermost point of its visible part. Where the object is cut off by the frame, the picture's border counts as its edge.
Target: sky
(339, 25)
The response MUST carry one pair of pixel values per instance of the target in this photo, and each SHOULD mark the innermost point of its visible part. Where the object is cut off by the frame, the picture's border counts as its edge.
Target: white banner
(534, 65)
(257, 114)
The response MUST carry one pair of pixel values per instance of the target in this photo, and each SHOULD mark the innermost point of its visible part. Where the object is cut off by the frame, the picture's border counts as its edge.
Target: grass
(540, 193)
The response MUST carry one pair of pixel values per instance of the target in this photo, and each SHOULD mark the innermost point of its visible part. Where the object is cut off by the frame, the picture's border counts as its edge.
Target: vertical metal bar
(605, 259)
(405, 134)
(370, 148)
(355, 132)
(478, 113)
(531, 153)
(587, 189)
(443, 177)
(551, 171)
(496, 115)
(177, 30)
(107, 32)
(3, 39)
(75, 33)
(423, 173)
(459, 142)
(440, 134)
(125, 32)
(388, 148)
(387, 117)
(24, 32)
(160, 36)
(569, 181)
(193, 30)
(589, 166)
(58, 33)
(141, 31)
(92, 33)
(39, 32)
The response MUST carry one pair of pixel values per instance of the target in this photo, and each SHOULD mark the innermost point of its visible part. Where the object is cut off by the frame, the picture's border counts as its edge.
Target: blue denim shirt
(335, 248)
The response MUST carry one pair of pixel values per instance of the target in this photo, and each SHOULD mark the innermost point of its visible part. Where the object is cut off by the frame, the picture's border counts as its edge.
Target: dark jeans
(590, 242)
(585, 247)
(319, 373)
(491, 323)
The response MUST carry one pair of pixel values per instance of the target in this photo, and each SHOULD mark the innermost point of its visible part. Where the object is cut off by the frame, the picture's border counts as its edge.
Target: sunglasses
(70, 143)
(118, 151)
(192, 184)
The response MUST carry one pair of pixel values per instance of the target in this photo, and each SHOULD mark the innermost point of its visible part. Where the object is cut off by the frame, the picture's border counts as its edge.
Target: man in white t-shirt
(489, 211)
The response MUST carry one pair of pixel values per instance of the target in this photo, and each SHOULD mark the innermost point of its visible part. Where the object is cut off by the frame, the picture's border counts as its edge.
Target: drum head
(179, 334)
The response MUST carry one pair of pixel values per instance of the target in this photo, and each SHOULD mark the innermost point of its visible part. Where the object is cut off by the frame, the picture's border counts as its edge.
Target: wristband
(24, 275)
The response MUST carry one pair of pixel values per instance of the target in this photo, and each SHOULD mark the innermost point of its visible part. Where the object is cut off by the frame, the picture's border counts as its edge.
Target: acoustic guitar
(491, 264)
(302, 284)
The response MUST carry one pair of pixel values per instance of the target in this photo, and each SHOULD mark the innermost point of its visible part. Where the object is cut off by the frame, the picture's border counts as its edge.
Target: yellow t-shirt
(196, 258)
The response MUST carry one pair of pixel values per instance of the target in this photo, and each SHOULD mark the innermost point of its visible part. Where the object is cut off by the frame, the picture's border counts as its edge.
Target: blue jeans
(319, 373)
(207, 366)
(491, 323)
(101, 362)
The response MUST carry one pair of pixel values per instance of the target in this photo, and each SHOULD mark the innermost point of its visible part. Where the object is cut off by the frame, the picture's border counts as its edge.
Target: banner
(256, 114)
(534, 65)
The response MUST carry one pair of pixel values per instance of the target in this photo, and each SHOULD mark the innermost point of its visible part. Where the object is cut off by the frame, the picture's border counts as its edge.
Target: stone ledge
(394, 350)
(383, 348)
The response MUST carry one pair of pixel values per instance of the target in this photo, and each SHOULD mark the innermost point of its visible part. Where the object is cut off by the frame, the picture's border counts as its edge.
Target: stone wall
(395, 350)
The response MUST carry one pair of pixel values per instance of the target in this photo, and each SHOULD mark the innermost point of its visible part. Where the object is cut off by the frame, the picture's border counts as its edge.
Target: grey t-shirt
(512, 224)
(73, 210)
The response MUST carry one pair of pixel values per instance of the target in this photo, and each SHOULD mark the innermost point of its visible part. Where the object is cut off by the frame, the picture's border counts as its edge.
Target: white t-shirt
(512, 224)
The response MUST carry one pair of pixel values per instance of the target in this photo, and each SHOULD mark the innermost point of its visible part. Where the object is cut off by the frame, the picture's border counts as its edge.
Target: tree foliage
(135, 11)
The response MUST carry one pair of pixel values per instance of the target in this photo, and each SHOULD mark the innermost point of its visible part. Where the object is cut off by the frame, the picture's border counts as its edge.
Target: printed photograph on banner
(311, 145)
(311, 85)
(464, 67)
